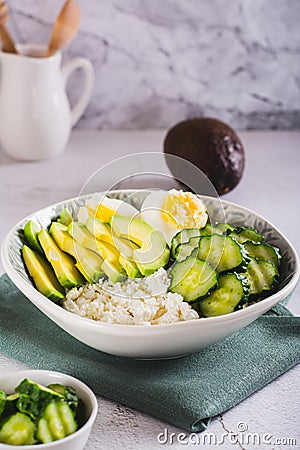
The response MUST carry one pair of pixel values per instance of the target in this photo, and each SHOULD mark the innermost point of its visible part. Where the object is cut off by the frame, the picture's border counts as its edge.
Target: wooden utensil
(65, 27)
(8, 45)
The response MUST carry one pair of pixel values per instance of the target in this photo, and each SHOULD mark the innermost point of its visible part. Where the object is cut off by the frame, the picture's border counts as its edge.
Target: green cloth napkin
(185, 392)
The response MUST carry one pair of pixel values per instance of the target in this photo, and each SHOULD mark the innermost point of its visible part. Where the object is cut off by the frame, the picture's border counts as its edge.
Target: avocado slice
(87, 262)
(110, 255)
(101, 230)
(126, 249)
(63, 264)
(62, 238)
(31, 231)
(153, 252)
(42, 274)
(130, 267)
(82, 236)
(65, 217)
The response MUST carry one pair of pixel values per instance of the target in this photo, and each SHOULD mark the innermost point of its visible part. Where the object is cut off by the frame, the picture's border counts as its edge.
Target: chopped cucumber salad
(36, 414)
(243, 268)
(218, 268)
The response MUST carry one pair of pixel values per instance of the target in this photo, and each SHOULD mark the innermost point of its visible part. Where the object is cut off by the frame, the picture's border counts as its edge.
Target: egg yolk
(183, 210)
(103, 213)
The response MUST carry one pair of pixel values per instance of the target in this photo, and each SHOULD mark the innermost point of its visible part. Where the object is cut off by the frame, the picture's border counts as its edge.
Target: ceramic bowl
(75, 441)
(163, 340)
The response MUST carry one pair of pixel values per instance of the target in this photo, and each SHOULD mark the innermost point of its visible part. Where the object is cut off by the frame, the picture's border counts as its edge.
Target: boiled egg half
(171, 211)
(103, 208)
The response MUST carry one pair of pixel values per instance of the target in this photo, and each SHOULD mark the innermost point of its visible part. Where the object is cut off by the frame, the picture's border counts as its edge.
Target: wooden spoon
(65, 27)
(8, 45)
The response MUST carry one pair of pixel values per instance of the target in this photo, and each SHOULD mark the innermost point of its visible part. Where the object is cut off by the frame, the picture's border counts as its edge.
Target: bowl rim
(28, 289)
(26, 373)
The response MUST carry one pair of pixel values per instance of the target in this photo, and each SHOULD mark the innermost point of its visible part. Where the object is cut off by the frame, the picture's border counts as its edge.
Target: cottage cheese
(140, 301)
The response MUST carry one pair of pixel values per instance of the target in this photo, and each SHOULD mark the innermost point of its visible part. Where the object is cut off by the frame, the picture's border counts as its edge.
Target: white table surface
(270, 186)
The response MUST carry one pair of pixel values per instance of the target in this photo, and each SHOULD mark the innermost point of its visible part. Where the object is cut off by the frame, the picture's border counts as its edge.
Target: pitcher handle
(89, 73)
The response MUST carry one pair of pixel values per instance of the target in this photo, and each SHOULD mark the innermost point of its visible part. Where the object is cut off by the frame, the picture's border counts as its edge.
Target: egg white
(118, 206)
(154, 205)
(151, 210)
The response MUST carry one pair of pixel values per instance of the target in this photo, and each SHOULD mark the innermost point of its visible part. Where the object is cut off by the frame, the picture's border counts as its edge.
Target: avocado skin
(212, 146)
(42, 274)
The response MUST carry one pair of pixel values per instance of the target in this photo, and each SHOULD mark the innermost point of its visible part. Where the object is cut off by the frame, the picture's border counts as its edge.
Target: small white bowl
(169, 340)
(75, 441)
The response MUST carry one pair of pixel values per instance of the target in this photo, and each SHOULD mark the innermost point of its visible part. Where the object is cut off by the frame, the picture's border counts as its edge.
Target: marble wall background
(159, 61)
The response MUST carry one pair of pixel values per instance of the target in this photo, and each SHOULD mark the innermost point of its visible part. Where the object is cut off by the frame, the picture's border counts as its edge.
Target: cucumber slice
(232, 290)
(56, 423)
(243, 234)
(208, 230)
(221, 252)
(192, 278)
(263, 252)
(183, 237)
(182, 251)
(219, 228)
(68, 392)
(261, 276)
(222, 227)
(18, 429)
(3, 398)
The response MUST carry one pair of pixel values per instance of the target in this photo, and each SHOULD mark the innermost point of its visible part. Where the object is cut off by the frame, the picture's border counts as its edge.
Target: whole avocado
(212, 146)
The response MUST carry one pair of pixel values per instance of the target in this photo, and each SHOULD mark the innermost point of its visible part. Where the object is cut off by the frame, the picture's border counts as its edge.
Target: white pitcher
(35, 115)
